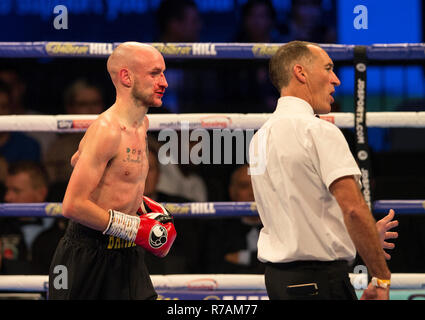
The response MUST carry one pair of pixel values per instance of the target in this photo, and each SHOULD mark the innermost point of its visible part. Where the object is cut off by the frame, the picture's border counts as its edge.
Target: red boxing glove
(142, 210)
(156, 229)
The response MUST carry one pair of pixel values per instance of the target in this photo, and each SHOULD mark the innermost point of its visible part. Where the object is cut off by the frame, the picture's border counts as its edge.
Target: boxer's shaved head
(129, 55)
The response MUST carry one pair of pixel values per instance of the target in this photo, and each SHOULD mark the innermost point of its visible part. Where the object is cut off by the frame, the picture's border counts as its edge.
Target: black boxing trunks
(90, 265)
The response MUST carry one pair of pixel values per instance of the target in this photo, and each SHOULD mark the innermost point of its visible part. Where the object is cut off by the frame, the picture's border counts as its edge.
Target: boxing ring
(221, 286)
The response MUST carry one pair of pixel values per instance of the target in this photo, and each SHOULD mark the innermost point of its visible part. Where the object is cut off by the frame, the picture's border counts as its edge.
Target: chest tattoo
(133, 155)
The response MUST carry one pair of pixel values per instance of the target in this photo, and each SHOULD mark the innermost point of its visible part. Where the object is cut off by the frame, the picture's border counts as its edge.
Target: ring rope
(208, 50)
(78, 123)
(401, 206)
(210, 282)
(200, 209)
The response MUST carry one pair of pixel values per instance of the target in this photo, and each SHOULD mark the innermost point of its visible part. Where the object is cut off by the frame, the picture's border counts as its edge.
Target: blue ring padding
(400, 206)
(402, 51)
(30, 209)
(190, 209)
(338, 52)
(200, 209)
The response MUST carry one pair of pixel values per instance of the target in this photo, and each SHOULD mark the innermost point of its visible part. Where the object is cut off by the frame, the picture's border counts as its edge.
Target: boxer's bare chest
(131, 162)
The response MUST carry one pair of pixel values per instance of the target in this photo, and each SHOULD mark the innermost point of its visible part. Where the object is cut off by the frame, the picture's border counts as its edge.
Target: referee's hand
(383, 225)
(375, 293)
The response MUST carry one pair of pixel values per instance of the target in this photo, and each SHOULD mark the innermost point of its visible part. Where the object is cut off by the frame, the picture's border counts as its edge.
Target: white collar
(291, 104)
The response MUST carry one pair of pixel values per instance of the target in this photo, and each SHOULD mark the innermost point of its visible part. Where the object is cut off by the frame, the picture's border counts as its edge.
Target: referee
(306, 187)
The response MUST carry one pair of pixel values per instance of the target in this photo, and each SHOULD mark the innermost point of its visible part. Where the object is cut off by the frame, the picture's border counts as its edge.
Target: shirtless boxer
(104, 246)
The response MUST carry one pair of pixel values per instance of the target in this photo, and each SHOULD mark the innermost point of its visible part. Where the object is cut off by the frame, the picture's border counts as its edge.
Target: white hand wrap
(122, 225)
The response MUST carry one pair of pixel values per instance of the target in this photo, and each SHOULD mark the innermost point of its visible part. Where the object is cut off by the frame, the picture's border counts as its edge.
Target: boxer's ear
(125, 77)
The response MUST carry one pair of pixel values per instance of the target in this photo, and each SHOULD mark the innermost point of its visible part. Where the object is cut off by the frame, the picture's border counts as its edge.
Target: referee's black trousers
(309, 280)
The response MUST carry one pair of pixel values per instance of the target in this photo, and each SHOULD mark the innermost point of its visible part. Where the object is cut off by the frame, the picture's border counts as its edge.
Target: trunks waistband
(87, 236)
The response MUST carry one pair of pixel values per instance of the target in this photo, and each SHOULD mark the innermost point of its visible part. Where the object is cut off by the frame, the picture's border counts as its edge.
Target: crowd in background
(35, 166)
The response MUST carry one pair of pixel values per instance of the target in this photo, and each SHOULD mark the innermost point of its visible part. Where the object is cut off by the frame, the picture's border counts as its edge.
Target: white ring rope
(76, 123)
(31, 283)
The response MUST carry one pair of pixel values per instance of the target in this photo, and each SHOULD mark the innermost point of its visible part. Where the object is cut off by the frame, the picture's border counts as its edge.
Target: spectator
(154, 173)
(37, 238)
(18, 88)
(258, 22)
(185, 255)
(238, 253)
(182, 179)
(310, 22)
(179, 21)
(26, 182)
(15, 146)
(45, 244)
(189, 88)
(251, 90)
(13, 251)
(81, 97)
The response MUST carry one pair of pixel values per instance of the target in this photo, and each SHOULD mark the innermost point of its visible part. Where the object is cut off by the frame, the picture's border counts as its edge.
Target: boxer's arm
(76, 155)
(74, 158)
(360, 225)
(102, 140)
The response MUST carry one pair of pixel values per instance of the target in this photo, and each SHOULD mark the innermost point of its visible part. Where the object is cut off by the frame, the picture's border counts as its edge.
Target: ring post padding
(362, 152)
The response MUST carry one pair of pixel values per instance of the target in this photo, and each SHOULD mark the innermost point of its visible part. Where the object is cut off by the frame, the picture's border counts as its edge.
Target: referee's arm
(361, 225)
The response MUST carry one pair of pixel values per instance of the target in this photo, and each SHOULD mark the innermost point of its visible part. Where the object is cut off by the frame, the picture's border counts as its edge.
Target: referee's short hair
(283, 61)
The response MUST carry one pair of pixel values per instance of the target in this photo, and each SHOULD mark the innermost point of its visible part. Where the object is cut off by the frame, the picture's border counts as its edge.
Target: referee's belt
(310, 264)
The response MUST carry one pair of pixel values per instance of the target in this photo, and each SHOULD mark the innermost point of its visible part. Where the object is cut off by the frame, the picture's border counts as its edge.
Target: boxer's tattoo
(133, 155)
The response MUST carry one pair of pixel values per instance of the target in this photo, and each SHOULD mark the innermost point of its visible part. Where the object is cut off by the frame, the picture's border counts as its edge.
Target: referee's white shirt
(301, 156)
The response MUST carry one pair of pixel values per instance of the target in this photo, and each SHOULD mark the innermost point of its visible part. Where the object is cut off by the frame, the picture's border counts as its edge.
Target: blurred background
(321, 21)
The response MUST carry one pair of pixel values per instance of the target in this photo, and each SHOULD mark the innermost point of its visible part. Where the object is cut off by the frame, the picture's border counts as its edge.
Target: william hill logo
(264, 50)
(64, 48)
(78, 49)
